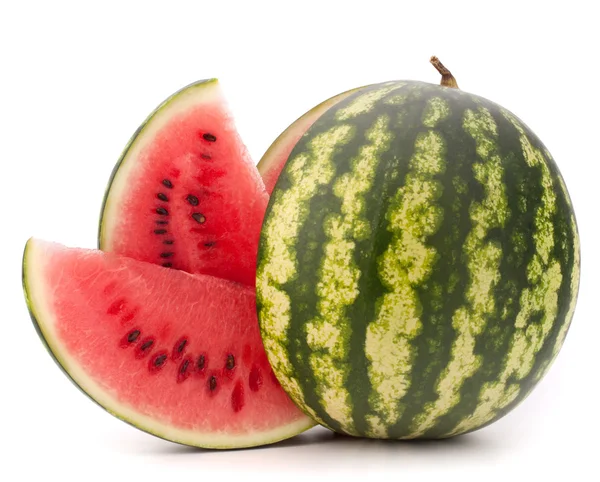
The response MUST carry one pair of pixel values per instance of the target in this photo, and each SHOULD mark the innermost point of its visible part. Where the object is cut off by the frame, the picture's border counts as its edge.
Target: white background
(77, 79)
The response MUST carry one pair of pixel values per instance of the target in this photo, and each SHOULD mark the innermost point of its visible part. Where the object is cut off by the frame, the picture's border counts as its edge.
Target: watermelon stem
(448, 79)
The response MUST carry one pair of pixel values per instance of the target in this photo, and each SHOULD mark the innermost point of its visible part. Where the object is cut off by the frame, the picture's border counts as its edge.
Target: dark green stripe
(389, 179)
(363, 310)
(522, 183)
(370, 288)
(432, 346)
(311, 243)
(564, 252)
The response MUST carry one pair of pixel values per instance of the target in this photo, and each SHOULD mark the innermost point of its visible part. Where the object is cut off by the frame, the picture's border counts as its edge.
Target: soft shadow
(319, 446)
(141, 443)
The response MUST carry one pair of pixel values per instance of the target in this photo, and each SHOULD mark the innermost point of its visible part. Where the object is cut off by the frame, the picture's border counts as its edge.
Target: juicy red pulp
(194, 200)
(178, 347)
(188, 364)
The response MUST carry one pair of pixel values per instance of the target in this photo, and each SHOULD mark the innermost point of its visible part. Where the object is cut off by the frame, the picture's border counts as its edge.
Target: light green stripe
(483, 265)
(329, 333)
(365, 102)
(574, 284)
(545, 277)
(575, 274)
(413, 216)
(436, 110)
(307, 172)
(574, 290)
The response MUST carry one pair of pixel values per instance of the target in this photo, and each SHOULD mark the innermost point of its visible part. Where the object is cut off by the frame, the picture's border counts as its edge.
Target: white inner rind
(39, 293)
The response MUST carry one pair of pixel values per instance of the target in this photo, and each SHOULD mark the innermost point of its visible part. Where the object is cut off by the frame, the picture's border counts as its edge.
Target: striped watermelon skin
(418, 267)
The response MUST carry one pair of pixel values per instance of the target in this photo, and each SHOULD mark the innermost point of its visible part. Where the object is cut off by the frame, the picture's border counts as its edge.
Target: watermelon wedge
(176, 355)
(185, 193)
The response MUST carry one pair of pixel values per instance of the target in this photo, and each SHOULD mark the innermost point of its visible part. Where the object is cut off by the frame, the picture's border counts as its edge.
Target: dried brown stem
(448, 79)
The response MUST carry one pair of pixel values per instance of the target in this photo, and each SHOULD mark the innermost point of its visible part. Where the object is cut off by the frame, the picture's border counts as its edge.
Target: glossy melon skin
(418, 266)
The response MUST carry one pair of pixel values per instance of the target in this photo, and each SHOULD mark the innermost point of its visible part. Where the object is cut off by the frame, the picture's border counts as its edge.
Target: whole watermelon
(419, 263)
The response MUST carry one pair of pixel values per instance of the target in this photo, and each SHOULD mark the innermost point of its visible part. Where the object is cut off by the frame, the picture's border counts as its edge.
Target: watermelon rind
(419, 263)
(43, 320)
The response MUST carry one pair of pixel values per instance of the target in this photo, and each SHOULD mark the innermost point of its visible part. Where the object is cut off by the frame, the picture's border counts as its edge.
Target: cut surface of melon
(174, 354)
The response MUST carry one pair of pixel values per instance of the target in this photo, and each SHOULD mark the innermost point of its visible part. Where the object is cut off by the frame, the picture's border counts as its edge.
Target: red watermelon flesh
(185, 193)
(176, 355)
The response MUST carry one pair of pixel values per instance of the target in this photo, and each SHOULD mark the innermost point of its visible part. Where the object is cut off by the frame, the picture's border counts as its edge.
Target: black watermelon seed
(160, 360)
(212, 383)
(133, 336)
(168, 241)
(209, 137)
(162, 197)
(147, 345)
(199, 217)
(161, 222)
(181, 346)
(160, 231)
(205, 156)
(167, 265)
(162, 211)
(166, 255)
(193, 200)
(201, 362)
(230, 364)
(167, 183)
(184, 366)
(210, 244)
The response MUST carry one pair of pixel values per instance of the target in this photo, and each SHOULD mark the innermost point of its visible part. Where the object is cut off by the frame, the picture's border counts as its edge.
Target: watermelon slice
(185, 193)
(174, 354)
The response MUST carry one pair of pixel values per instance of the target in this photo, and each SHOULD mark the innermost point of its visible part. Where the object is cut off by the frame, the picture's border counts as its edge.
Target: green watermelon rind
(287, 341)
(205, 441)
